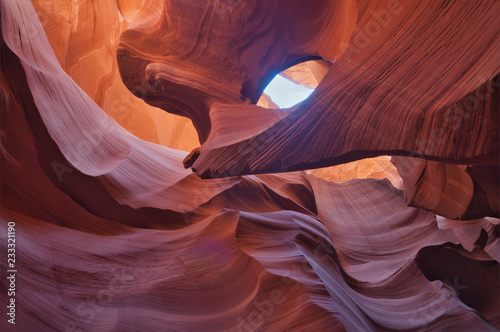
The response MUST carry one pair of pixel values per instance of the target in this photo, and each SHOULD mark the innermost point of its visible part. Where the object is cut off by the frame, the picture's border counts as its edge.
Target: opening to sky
(286, 93)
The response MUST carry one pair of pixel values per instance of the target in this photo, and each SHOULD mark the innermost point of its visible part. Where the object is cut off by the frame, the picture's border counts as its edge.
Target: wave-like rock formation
(419, 78)
(115, 232)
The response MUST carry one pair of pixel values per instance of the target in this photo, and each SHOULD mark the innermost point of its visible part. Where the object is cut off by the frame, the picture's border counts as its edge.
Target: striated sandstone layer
(426, 83)
(113, 233)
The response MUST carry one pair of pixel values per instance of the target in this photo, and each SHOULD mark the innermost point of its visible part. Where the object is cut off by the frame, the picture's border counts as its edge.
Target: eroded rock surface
(113, 233)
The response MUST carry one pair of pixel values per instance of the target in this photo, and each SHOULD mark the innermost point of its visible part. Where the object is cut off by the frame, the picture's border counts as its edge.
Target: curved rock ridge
(114, 234)
(376, 168)
(308, 74)
(189, 55)
(84, 36)
(95, 144)
(453, 191)
(392, 92)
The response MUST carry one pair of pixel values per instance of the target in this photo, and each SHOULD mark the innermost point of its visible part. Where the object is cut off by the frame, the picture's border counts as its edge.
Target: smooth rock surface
(113, 233)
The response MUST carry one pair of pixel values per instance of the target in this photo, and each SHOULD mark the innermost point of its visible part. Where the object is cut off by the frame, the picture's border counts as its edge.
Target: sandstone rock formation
(114, 233)
(394, 93)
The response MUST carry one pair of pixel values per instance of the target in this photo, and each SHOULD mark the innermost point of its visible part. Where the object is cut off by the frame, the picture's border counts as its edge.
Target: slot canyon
(149, 182)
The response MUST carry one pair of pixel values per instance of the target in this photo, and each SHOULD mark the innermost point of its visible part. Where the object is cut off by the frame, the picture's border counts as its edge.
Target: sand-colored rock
(376, 168)
(85, 46)
(114, 234)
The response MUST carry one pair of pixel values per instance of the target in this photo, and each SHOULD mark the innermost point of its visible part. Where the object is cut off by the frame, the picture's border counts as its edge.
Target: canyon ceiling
(154, 187)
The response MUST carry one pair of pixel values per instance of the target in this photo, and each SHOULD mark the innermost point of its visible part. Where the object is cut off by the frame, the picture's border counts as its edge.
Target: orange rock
(113, 233)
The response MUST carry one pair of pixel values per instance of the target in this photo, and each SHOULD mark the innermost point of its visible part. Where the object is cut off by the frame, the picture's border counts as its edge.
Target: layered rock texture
(150, 191)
